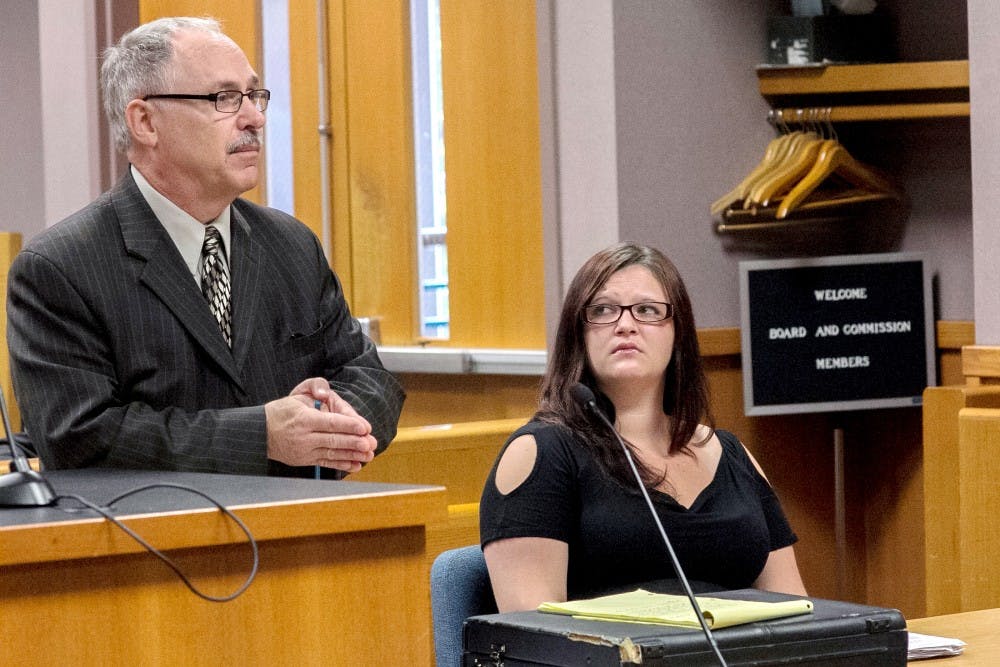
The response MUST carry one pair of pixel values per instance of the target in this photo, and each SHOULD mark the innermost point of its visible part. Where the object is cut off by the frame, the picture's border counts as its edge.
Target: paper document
(929, 646)
(641, 606)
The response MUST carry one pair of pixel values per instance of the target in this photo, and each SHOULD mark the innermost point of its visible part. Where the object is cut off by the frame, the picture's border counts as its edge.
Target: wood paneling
(981, 364)
(457, 456)
(304, 83)
(978, 528)
(451, 399)
(91, 596)
(493, 173)
(958, 474)
(239, 18)
(373, 171)
(10, 245)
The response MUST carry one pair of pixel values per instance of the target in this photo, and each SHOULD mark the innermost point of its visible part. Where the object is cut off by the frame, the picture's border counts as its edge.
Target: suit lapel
(245, 272)
(166, 274)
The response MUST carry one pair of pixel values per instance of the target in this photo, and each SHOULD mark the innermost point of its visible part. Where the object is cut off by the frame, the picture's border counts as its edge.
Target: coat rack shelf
(842, 93)
(885, 91)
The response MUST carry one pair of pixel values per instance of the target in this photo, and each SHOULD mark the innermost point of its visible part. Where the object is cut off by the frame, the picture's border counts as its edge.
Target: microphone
(22, 487)
(585, 397)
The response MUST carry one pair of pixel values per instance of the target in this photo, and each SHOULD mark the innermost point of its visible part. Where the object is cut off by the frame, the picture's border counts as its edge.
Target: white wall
(49, 145)
(70, 137)
(576, 80)
(587, 157)
(690, 122)
(21, 170)
(984, 92)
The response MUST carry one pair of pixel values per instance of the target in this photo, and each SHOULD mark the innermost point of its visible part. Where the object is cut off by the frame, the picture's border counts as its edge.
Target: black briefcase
(835, 633)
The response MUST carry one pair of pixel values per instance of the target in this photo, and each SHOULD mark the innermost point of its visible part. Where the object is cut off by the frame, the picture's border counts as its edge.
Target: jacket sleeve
(70, 395)
(355, 371)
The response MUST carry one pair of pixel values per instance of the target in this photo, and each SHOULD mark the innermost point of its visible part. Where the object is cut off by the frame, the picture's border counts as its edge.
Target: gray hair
(138, 65)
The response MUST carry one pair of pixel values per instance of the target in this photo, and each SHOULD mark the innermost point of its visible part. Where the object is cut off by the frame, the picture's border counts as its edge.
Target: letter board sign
(836, 333)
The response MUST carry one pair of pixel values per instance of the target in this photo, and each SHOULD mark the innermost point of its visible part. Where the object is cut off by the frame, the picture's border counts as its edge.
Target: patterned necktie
(215, 281)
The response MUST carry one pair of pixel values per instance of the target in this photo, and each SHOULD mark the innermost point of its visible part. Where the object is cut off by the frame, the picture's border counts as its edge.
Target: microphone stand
(582, 394)
(22, 487)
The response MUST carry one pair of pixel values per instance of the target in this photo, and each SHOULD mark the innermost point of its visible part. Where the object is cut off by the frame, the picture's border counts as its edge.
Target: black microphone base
(25, 489)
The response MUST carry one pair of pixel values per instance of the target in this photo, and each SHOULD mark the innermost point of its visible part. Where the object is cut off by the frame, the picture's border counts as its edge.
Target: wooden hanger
(781, 179)
(794, 167)
(836, 203)
(776, 152)
(834, 158)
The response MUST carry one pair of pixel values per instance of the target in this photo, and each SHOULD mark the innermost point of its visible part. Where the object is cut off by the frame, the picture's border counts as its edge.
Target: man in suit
(141, 338)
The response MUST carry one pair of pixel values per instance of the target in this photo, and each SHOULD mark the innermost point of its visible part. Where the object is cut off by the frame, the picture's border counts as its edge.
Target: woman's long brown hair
(685, 396)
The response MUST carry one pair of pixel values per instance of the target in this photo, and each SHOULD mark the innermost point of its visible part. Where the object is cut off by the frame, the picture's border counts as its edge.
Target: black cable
(159, 554)
(26, 446)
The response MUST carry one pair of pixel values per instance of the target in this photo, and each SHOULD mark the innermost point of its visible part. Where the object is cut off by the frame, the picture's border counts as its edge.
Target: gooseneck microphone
(585, 397)
(22, 486)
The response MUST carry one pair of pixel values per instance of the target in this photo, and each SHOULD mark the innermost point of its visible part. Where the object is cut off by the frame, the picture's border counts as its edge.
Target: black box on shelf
(838, 38)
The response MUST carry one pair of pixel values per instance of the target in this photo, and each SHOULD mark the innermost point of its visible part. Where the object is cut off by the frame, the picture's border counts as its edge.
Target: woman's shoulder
(538, 453)
(728, 439)
(546, 433)
(734, 450)
(732, 447)
(554, 441)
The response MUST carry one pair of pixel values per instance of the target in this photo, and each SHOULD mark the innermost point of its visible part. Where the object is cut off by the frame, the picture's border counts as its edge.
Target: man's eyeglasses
(648, 311)
(226, 101)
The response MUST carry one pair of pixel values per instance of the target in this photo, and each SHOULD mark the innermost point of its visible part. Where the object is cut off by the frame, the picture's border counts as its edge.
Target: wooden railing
(457, 456)
(961, 492)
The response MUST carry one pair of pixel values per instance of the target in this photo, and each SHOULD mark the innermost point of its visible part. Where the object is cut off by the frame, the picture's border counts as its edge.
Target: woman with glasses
(562, 516)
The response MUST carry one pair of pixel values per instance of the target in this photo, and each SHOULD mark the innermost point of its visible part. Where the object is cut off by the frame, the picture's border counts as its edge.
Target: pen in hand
(317, 469)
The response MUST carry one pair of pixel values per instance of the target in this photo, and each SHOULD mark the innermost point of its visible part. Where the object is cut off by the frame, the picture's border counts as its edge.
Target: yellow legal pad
(641, 606)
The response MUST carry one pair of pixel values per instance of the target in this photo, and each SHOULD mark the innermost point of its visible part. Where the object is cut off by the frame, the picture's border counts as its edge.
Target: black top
(723, 539)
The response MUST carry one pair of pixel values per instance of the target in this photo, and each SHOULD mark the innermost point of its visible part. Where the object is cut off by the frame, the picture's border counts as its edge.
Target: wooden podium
(342, 577)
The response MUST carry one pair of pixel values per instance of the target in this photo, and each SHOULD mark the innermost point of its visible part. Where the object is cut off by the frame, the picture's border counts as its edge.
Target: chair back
(460, 587)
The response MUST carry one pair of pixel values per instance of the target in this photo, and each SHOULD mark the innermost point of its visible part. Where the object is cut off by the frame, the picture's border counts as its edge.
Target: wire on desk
(105, 512)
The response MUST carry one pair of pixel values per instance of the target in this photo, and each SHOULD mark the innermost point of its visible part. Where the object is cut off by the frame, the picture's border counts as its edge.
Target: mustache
(248, 138)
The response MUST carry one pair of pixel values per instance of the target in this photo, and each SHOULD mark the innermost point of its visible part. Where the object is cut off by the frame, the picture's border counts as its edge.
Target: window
(487, 118)
(279, 179)
(428, 138)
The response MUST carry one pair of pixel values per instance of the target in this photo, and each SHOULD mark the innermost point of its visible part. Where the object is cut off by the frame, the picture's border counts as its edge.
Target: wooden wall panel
(10, 245)
(979, 535)
(373, 173)
(493, 172)
(305, 89)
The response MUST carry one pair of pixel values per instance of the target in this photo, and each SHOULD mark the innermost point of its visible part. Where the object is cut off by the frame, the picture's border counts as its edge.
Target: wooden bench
(961, 488)
(457, 456)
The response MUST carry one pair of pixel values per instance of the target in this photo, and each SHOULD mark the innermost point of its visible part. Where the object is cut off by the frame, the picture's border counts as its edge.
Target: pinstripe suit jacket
(118, 362)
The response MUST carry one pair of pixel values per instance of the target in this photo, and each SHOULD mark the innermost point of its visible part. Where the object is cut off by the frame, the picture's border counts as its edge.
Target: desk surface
(100, 485)
(272, 507)
(343, 576)
(978, 629)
